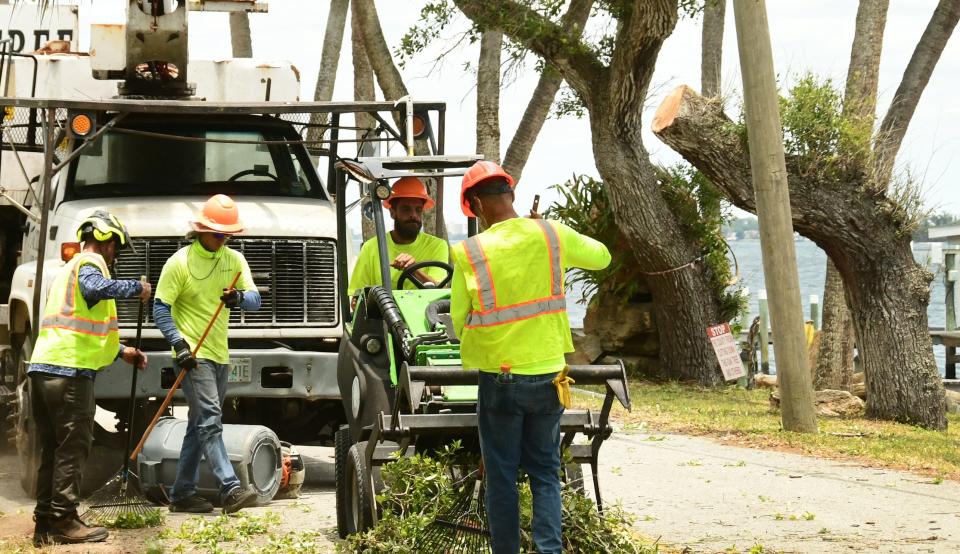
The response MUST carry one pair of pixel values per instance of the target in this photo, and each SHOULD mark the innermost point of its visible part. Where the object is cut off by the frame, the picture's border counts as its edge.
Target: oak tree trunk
(887, 291)
(833, 367)
(684, 304)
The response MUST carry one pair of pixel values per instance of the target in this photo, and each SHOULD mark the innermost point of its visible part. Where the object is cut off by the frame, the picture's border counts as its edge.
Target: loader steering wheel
(258, 172)
(410, 273)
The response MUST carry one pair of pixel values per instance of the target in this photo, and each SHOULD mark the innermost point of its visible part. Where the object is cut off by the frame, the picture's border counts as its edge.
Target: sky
(812, 35)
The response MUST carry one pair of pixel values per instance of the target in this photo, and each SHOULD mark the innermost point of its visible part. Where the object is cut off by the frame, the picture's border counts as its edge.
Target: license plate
(239, 370)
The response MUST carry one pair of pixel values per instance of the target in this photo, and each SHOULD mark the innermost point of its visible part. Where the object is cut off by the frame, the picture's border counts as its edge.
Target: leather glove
(185, 359)
(232, 298)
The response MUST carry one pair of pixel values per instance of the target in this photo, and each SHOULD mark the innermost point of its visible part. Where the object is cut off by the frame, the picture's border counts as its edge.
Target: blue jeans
(204, 387)
(519, 419)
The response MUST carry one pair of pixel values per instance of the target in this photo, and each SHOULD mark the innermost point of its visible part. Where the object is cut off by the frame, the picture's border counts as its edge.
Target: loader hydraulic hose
(383, 300)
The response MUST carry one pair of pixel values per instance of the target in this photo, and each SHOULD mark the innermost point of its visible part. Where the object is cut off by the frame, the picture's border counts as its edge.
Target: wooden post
(815, 311)
(950, 280)
(764, 333)
(769, 171)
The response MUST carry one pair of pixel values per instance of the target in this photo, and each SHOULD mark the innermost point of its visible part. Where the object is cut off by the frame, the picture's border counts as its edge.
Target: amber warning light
(68, 250)
(81, 125)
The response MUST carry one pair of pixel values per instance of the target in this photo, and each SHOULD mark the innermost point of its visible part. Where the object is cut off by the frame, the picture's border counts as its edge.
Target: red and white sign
(726, 349)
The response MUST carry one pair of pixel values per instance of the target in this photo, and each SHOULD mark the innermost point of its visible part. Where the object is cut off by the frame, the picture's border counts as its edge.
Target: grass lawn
(745, 418)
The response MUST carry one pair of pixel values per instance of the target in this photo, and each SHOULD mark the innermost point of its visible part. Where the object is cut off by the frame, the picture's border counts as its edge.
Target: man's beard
(409, 230)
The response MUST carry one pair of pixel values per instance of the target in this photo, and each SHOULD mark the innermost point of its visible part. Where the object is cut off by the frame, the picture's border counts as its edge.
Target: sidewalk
(696, 493)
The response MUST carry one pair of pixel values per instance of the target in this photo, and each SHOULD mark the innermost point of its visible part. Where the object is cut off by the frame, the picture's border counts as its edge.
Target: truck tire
(341, 442)
(28, 445)
(359, 492)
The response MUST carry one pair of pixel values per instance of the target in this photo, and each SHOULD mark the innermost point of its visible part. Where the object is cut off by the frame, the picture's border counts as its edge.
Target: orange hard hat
(409, 187)
(220, 215)
(478, 173)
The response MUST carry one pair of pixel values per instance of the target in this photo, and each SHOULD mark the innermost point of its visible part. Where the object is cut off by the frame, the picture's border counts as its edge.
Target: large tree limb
(538, 108)
(697, 129)
(329, 61)
(637, 45)
(863, 74)
(488, 95)
(915, 78)
(711, 47)
(381, 60)
(578, 64)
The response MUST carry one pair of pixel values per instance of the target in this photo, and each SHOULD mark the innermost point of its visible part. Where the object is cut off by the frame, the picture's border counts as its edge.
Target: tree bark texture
(543, 96)
(614, 96)
(886, 290)
(833, 367)
(329, 60)
(363, 89)
(711, 47)
(488, 96)
(863, 74)
(915, 78)
(240, 42)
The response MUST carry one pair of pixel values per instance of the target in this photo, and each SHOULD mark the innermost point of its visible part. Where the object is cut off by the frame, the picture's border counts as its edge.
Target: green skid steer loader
(403, 387)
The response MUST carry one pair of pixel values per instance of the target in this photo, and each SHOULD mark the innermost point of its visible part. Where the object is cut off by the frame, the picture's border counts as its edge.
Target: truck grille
(296, 279)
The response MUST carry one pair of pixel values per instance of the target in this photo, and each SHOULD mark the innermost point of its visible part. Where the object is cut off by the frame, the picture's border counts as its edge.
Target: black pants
(63, 410)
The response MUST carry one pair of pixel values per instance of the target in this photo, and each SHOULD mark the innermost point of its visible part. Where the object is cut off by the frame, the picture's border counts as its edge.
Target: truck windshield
(144, 162)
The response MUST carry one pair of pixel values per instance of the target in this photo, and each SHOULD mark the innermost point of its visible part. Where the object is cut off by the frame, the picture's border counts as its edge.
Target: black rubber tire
(341, 447)
(28, 445)
(358, 496)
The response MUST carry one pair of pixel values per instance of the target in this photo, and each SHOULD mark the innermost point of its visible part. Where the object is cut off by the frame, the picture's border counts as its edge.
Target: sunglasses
(220, 235)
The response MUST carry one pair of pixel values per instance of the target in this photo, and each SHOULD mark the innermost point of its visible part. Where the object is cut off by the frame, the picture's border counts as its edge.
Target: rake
(119, 502)
(463, 529)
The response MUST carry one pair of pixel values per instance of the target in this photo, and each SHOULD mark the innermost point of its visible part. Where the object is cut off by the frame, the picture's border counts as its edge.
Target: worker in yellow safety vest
(78, 337)
(509, 310)
(406, 244)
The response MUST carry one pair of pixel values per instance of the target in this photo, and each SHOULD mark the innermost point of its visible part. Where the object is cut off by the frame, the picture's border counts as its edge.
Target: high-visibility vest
(519, 310)
(71, 333)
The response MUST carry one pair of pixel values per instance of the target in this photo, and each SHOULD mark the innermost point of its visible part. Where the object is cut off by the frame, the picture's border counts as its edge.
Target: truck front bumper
(271, 373)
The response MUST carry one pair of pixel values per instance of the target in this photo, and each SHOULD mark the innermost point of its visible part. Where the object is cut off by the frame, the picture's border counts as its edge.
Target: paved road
(690, 492)
(708, 496)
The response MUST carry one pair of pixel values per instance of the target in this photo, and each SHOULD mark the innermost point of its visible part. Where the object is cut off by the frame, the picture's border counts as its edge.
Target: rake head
(118, 503)
(464, 529)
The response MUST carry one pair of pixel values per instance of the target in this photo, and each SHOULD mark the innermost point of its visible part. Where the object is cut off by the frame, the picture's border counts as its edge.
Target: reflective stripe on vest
(67, 317)
(489, 313)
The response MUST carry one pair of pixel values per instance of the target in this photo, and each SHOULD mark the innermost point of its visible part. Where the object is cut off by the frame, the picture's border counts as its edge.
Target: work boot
(41, 530)
(238, 499)
(71, 529)
(194, 504)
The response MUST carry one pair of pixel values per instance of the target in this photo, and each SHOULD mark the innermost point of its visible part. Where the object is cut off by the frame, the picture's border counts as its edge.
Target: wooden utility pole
(768, 167)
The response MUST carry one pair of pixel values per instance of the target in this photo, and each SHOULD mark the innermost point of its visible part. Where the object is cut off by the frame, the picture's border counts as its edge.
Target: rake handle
(133, 388)
(176, 384)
